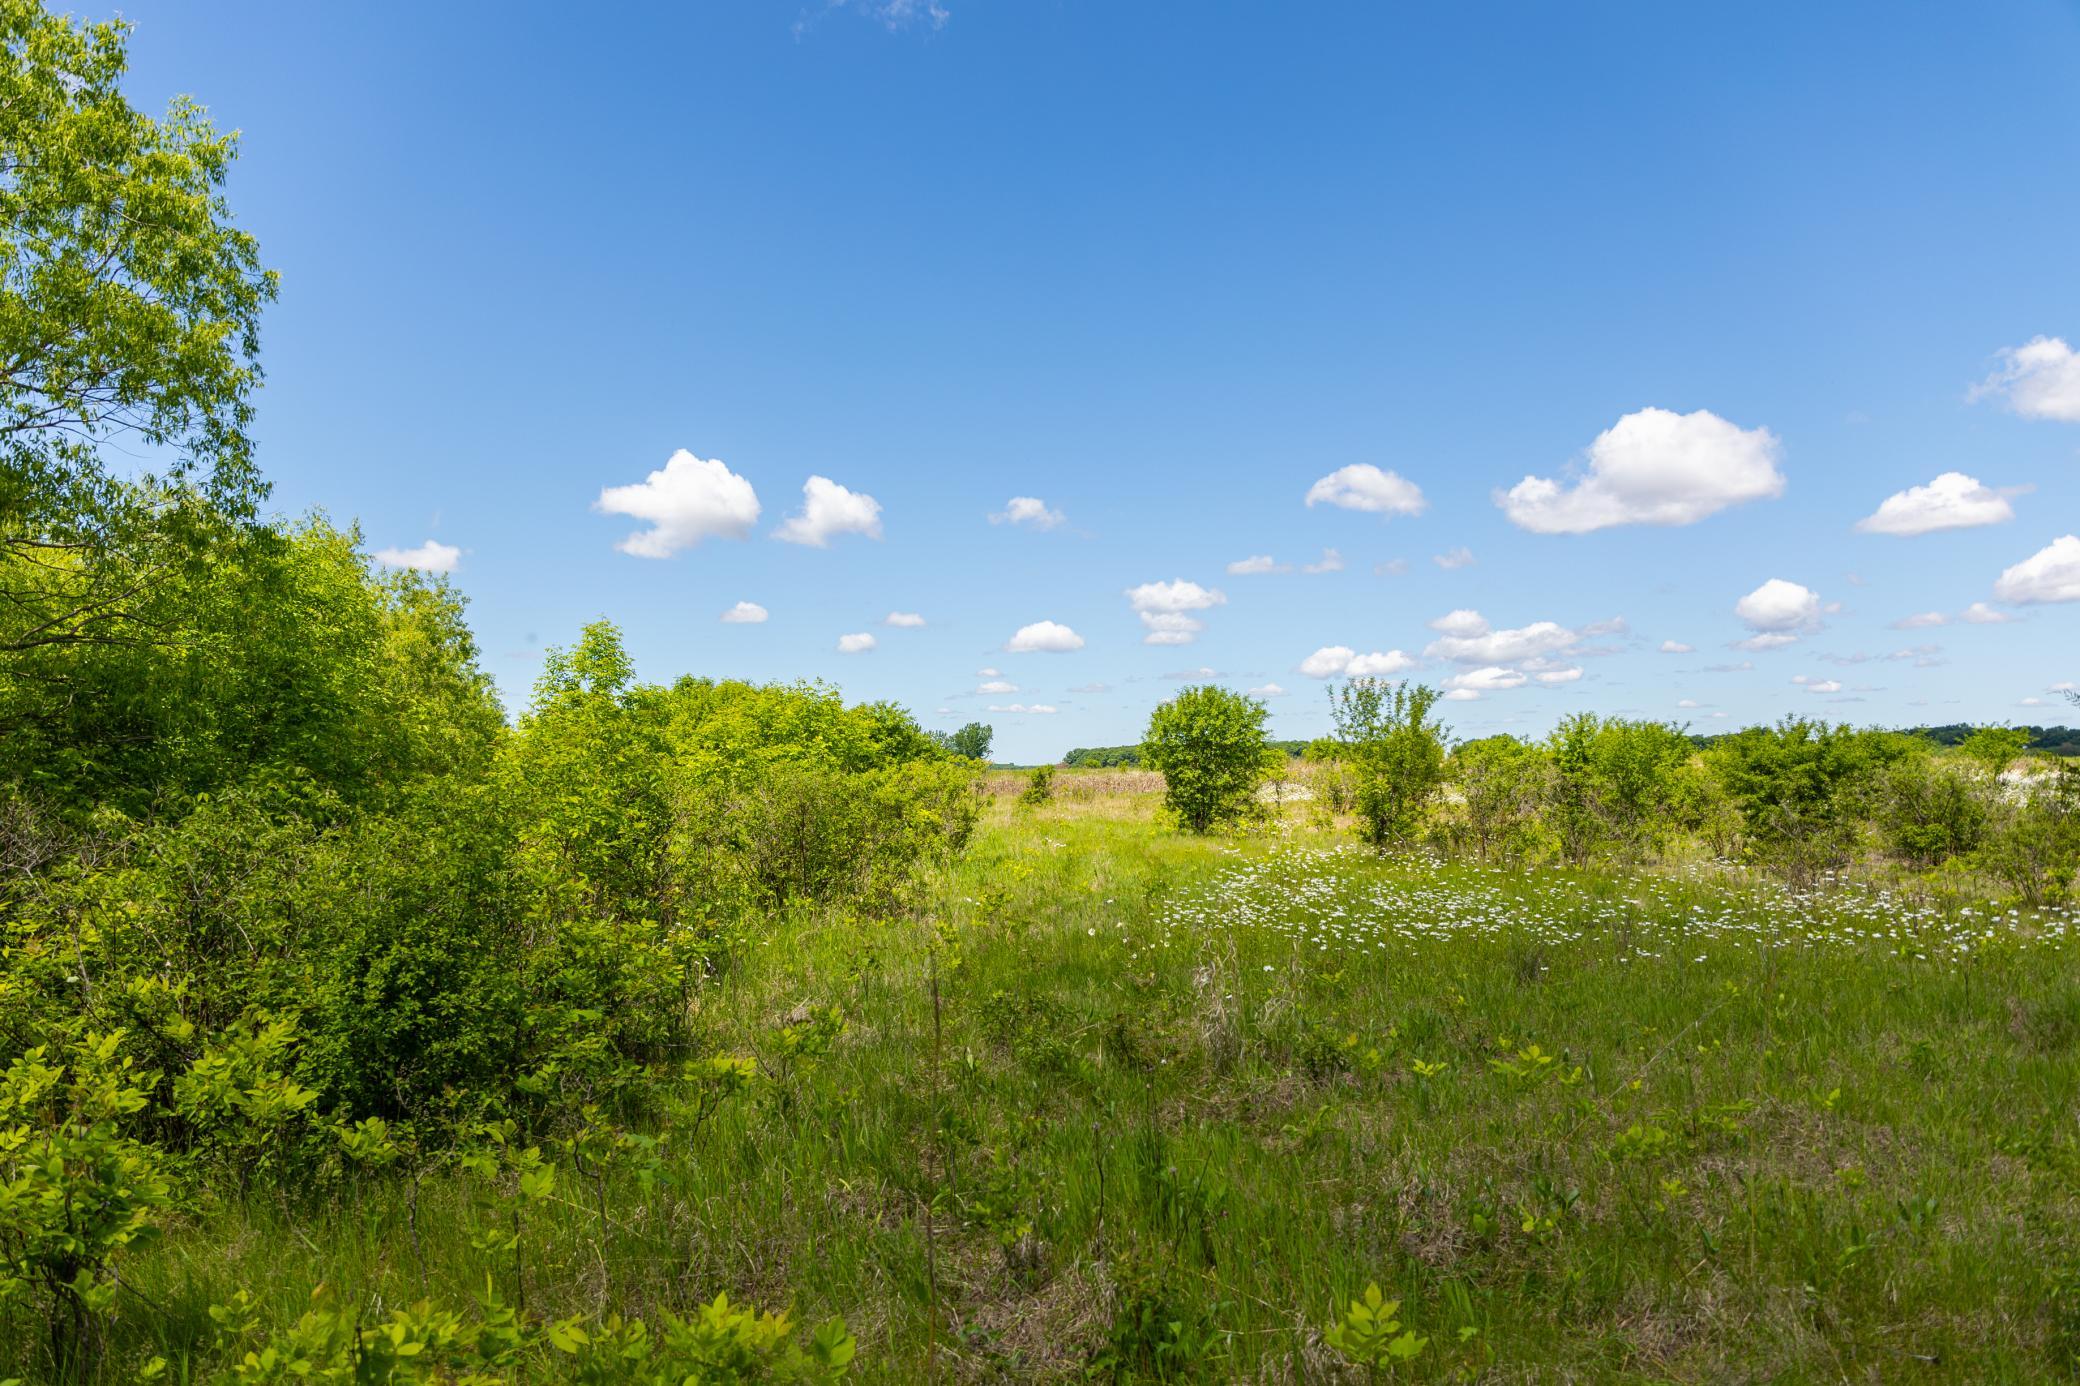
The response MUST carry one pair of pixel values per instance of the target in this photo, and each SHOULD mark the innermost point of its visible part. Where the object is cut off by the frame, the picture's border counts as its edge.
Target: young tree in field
(1209, 745)
(1395, 752)
(129, 314)
(972, 741)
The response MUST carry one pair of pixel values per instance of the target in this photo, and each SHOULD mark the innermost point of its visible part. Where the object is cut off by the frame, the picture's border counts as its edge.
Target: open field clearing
(1181, 1099)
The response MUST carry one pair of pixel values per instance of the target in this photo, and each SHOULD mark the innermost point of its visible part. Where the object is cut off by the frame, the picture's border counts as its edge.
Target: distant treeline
(1114, 757)
(2055, 741)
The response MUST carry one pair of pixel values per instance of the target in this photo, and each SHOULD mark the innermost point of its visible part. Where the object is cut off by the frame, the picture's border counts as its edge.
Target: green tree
(1501, 783)
(1209, 745)
(1993, 749)
(972, 741)
(1395, 751)
(129, 312)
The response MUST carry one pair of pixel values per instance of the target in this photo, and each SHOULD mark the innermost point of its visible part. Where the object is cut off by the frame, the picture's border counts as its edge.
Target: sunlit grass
(1189, 1098)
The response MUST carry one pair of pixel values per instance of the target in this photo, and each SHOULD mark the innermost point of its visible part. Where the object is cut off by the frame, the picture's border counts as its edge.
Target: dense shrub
(1394, 751)
(1209, 746)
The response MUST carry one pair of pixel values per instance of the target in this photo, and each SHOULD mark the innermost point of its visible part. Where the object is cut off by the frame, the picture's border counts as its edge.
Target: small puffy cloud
(1952, 501)
(1451, 559)
(1616, 625)
(1817, 685)
(1460, 695)
(903, 620)
(1688, 703)
(859, 642)
(2051, 574)
(997, 687)
(744, 614)
(1466, 638)
(429, 557)
(1166, 608)
(1461, 623)
(829, 510)
(1204, 671)
(1921, 620)
(1330, 562)
(1676, 647)
(1980, 614)
(685, 501)
(1363, 486)
(1492, 679)
(1778, 612)
(1653, 467)
(985, 673)
(1559, 676)
(1027, 510)
(1391, 567)
(2039, 380)
(1379, 664)
(1257, 563)
(1042, 709)
(1046, 637)
(1331, 660)
(1267, 690)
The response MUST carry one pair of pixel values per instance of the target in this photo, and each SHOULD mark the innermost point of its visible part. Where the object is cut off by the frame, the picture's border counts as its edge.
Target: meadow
(1123, 1103)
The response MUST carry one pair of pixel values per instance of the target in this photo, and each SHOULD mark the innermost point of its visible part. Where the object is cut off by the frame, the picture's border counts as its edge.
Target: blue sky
(1166, 269)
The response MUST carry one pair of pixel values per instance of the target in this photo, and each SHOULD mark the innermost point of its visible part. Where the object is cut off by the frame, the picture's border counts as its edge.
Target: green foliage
(1994, 749)
(1801, 788)
(1039, 787)
(971, 742)
(76, 1191)
(1395, 752)
(1501, 785)
(1370, 1334)
(1208, 744)
(129, 310)
(1615, 784)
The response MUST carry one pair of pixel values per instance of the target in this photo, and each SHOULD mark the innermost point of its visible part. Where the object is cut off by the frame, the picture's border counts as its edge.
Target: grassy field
(1131, 1105)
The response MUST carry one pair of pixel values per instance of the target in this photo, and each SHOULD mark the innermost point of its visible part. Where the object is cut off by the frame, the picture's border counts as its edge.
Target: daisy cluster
(1343, 899)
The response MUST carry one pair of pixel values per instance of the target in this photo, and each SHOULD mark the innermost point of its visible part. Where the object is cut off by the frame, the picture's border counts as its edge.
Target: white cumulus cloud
(903, 620)
(1558, 676)
(1267, 690)
(1027, 510)
(2039, 380)
(1921, 620)
(1980, 614)
(997, 687)
(429, 557)
(1049, 637)
(1330, 562)
(685, 501)
(1257, 563)
(2051, 574)
(1676, 647)
(1467, 638)
(744, 614)
(1363, 486)
(1778, 612)
(859, 642)
(1652, 467)
(1492, 679)
(829, 510)
(1331, 660)
(1952, 501)
(1166, 608)
(1038, 708)
(1452, 559)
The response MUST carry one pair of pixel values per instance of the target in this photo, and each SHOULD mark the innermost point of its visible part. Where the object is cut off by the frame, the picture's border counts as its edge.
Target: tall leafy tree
(129, 313)
(1395, 750)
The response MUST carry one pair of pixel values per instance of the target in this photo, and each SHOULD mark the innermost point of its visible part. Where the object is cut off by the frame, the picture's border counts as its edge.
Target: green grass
(1168, 1117)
